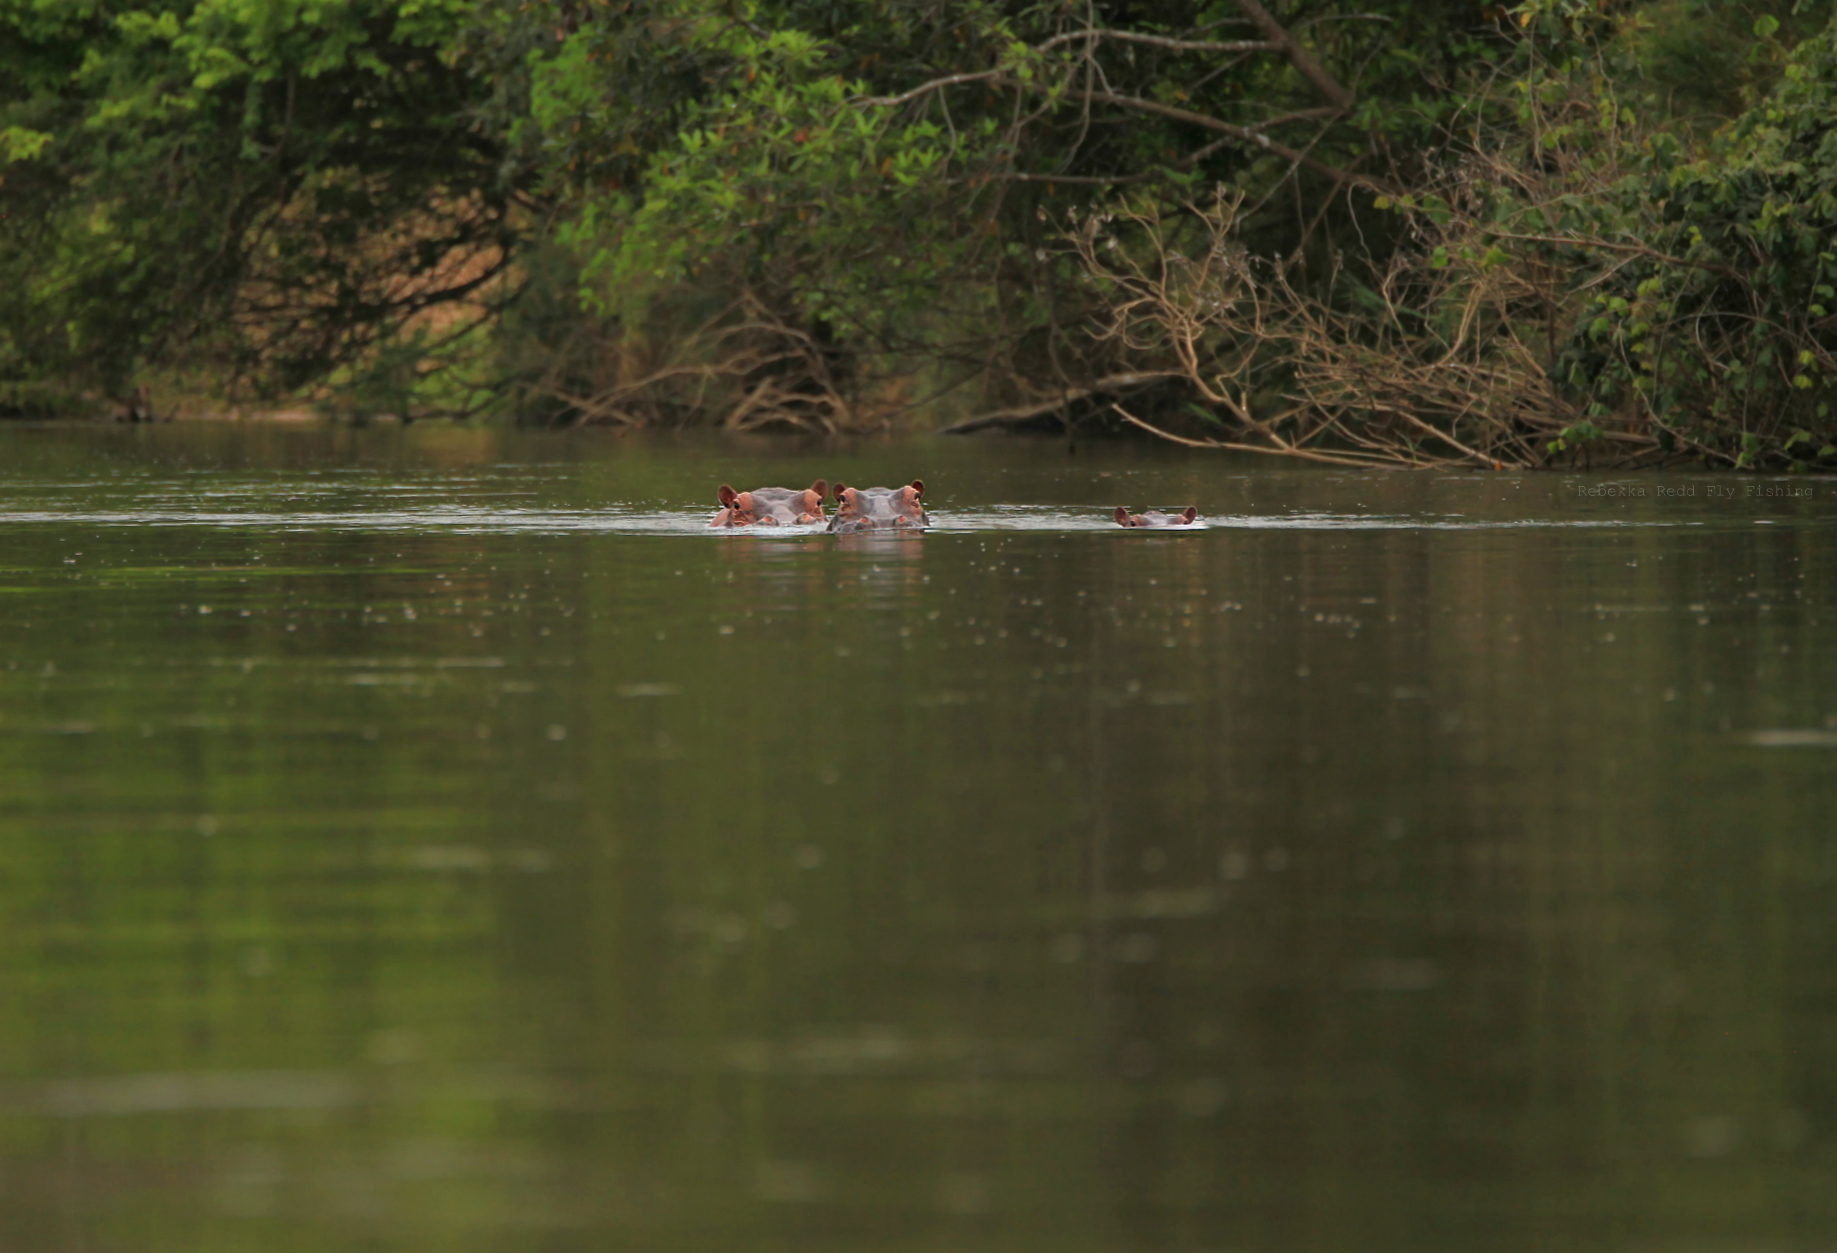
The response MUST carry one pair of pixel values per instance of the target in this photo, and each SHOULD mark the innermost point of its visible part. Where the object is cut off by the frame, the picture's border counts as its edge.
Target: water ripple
(481, 519)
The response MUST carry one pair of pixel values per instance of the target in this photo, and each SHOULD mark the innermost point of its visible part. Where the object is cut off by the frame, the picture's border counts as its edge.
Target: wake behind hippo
(771, 506)
(1154, 517)
(880, 508)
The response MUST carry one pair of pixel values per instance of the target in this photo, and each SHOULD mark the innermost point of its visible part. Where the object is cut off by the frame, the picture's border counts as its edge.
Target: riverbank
(1409, 235)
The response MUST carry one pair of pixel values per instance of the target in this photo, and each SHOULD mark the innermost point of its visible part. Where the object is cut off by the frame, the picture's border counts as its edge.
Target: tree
(893, 179)
(264, 186)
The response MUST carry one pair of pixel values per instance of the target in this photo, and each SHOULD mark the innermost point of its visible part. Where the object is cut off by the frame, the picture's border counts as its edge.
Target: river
(438, 839)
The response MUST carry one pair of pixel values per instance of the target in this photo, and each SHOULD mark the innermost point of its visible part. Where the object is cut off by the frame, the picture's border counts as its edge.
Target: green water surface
(437, 840)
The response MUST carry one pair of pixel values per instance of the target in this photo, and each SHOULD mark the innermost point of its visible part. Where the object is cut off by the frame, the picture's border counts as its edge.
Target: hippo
(771, 506)
(1152, 517)
(879, 508)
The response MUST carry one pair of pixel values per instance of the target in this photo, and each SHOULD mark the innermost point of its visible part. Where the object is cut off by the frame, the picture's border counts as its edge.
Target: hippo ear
(1122, 516)
(821, 488)
(918, 487)
(726, 496)
(839, 489)
(1192, 511)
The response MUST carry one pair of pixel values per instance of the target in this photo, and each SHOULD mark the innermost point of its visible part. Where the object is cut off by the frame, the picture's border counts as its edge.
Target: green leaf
(19, 144)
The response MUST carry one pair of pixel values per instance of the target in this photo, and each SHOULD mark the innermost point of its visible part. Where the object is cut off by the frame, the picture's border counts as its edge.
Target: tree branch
(1088, 180)
(1161, 41)
(1283, 449)
(1244, 135)
(936, 84)
(1039, 409)
(1298, 56)
(1638, 250)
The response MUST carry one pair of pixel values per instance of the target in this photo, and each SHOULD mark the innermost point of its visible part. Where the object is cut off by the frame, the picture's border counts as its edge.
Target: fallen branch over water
(1432, 369)
(1020, 415)
(1279, 449)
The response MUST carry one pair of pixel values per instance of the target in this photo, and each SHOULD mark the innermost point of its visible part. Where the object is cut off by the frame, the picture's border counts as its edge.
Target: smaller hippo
(771, 506)
(1153, 517)
(879, 508)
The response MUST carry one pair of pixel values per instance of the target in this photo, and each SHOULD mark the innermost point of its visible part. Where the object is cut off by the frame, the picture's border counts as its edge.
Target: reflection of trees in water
(1410, 956)
(800, 958)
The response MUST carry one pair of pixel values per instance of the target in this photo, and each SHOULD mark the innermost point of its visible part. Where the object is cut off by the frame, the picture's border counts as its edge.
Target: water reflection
(405, 848)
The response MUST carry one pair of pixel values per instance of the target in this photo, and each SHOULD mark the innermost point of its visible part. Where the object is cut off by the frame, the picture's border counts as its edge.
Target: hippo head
(877, 508)
(1156, 518)
(771, 506)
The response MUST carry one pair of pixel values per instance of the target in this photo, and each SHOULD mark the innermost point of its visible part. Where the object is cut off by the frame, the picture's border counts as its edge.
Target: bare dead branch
(1609, 245)
(1381, 387)
(1018, 414)
(1305, 454)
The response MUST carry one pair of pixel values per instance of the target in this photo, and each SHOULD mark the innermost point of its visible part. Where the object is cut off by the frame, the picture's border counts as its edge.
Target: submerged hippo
(1154, 517)
(772, 506)
(879, 508)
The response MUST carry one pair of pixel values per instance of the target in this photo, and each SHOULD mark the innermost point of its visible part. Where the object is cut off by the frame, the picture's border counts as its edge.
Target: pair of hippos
(868, 508)
(857, 508)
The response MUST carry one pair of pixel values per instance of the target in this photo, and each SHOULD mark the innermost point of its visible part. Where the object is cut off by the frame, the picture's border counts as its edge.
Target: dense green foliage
(259, 184)
(807, 158)
(890, 183)
(1727, 323)
(1649, 206)
(787, 211)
